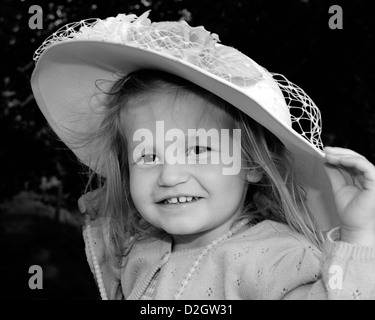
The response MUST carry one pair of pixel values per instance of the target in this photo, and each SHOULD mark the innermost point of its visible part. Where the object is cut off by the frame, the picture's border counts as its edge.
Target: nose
(172, 175)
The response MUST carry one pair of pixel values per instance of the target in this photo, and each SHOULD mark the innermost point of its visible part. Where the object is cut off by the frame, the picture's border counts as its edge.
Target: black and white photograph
(187, 150)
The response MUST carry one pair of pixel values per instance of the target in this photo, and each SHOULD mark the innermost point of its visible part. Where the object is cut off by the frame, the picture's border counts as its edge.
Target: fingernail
(81, 205)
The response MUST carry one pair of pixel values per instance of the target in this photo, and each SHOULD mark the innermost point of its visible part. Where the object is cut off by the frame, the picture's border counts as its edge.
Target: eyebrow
(196, 137)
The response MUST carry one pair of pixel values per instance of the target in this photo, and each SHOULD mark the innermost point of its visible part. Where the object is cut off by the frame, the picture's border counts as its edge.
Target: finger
(342, 151)
(335, 158)
(358, 166)
(361, 165)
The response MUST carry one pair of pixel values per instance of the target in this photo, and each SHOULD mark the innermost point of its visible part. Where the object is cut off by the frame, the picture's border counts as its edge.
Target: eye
(198, 150)
(149, 158)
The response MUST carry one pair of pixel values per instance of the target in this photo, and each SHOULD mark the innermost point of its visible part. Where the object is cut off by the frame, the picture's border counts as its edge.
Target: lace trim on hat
(195, 45)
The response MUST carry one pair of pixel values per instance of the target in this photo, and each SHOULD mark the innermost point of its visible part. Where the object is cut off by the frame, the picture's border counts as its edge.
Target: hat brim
(63, 84)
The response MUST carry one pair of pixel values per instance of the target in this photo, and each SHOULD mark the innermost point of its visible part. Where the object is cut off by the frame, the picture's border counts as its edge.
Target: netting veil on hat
(195, 45)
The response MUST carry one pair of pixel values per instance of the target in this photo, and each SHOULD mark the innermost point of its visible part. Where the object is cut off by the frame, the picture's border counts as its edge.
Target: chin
(182, 229)
(178, 231)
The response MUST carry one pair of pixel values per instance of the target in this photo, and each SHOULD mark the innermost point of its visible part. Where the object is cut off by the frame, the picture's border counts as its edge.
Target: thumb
(91, 202)
(81, 205)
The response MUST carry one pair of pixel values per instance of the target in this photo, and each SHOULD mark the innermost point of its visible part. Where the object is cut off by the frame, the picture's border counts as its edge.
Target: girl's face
(217, 198)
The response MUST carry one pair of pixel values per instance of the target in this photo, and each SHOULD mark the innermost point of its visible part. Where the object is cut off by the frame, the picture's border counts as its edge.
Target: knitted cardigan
(265, 261)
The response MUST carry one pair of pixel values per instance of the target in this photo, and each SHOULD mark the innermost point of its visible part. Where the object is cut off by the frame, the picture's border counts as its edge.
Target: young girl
(208, 192)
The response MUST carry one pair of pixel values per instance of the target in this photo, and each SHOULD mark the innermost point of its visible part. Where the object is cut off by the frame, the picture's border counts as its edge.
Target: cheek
(225, 186)
(141, 186)
(233, 188)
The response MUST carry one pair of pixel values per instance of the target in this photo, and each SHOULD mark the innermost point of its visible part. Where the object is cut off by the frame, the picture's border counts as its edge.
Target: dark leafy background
(40, 181)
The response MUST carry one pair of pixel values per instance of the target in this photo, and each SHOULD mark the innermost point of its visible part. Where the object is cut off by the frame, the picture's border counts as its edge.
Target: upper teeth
(180, 199)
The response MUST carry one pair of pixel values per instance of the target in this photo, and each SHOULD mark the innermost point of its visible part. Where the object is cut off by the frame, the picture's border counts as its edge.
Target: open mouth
(180, 200)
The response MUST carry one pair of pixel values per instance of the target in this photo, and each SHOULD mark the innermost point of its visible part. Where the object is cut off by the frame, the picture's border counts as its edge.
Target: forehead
(177, 109)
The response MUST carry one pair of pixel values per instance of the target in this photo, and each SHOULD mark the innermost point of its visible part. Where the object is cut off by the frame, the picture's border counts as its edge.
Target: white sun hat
(71, 61)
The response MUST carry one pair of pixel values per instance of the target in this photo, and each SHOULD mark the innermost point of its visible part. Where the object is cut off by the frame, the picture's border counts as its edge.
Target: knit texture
(265, 261)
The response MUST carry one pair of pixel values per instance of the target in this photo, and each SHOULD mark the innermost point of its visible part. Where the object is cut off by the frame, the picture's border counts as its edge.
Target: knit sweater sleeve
(348, 271)
(340, 271)
(95, 238)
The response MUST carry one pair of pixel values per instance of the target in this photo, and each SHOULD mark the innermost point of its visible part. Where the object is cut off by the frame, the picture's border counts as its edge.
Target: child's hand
(355, 199)
(91, 202)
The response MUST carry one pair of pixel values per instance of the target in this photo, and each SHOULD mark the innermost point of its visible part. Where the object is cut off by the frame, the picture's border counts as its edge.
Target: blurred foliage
(292, 37)
(33, 233)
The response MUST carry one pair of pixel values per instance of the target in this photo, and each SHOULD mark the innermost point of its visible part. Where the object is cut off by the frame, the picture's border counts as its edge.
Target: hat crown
(176, 39)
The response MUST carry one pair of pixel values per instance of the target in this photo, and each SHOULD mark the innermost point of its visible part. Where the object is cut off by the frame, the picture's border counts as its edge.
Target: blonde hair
(277, 196)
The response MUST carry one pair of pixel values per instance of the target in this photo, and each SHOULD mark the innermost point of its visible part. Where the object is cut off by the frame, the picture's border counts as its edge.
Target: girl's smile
(181, 203)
